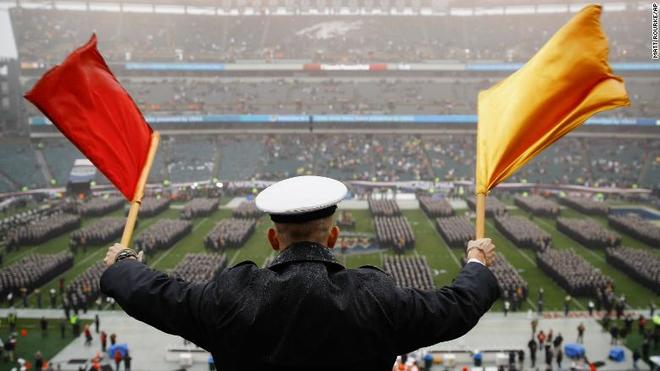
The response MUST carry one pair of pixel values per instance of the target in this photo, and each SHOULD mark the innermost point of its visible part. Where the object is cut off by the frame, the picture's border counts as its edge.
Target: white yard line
(577, 243)
(518, 250)
(451, 253)
(233, 258)
(169, 251)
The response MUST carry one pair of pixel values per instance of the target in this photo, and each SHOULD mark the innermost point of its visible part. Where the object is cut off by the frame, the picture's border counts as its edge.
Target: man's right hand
(483, 250)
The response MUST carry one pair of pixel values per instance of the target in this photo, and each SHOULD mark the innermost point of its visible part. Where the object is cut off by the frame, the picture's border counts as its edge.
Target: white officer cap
(301, 199)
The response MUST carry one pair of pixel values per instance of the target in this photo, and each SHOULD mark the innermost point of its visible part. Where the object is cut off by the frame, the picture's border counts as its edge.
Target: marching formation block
(641, 265)
(200, 268)
(199, 207)
(247, 210)
(537, 205)
(99, 233)
(456, 230)
(162, 235)
(588, 232)
(230, 232)
(410, 271)
(636, 227)
(152, 206)
(523, 232)
(394, 232)
(493, 205)
(435, 207)
(33, 271)
(572, 272)
(100, 206)
(585, 205)
(384, 208)
(42, 230)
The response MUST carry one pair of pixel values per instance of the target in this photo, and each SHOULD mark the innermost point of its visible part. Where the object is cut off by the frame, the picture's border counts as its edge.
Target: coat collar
(305, 251)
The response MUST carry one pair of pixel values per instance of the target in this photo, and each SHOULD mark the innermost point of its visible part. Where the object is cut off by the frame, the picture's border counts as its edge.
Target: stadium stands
(522, 232)
(229, 233)
(409, 271)
(641, 265)
(199, 207)
(456, 230)
(572, 272)
(435, 207)
(99, 233)
(588, 232)
(537, 205)
(162, 235)
(47, 35)
(199, 268)
(33, 271)
(345, 220)
(350, 157)
(585, 205)
(636, 227)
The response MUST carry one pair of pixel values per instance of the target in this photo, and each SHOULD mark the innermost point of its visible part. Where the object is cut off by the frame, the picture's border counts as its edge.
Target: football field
(444, 261)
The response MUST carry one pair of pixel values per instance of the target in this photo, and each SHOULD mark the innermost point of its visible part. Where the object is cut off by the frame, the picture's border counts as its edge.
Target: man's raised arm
(153, 297)
(423, 318)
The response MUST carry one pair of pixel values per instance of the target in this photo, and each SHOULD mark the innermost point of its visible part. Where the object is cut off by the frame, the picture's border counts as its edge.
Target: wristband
(124, 254)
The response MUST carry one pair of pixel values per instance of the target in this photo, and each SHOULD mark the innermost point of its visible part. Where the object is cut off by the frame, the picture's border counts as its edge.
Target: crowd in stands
(523, 232)
(637, 227)
(247, 210)
(199, 268)
(383, 207)
(377, 157)
(585, 205)
(537, 205)
(99, 233)
(395, 232)
(409, 271)
(42, 230)
(199, 207)
(642, 265)
(435, 207)
(162, 235)
(86, 287)
(47, 36)
(588, 232)
(152, 206)
(456, 230)
(230, 233)
(99, 206)
(33, 271)
(572, 272)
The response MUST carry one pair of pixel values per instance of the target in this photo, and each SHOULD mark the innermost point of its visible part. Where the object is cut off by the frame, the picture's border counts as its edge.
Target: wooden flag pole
(139, 191)
(481, 216)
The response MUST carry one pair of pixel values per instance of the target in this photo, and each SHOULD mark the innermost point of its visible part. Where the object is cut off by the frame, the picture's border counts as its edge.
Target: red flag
(87, 104)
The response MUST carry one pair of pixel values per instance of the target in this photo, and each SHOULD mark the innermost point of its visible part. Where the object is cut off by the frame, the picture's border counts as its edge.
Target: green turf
(443, 259)
(27, 347)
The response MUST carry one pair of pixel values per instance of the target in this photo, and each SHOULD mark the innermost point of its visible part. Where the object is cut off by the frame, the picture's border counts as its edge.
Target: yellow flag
(564, 84)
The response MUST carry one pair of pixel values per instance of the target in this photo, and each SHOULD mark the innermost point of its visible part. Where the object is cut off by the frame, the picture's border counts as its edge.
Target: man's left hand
(115, 249)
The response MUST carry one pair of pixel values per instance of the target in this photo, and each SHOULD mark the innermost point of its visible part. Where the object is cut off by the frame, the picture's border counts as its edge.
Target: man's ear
(272, 238)
(332, 237)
